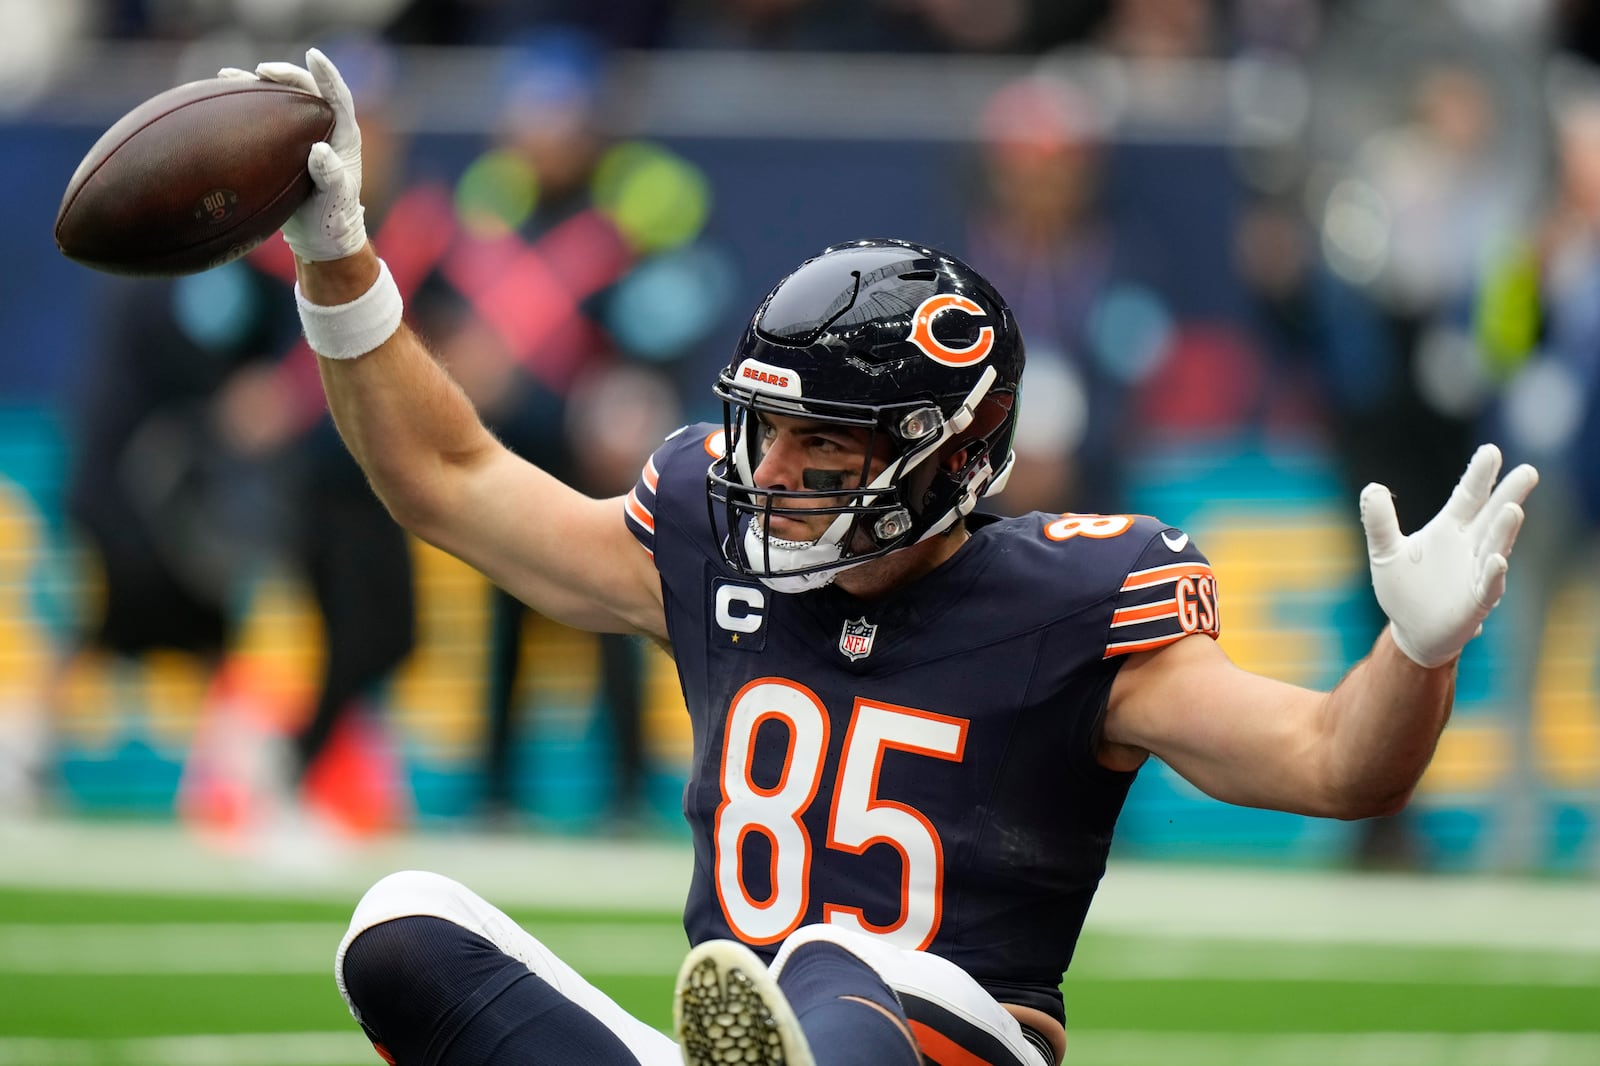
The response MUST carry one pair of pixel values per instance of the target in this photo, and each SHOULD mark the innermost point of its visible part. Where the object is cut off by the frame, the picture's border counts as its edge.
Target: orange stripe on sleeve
(1143, 579)
(639, 513)
(651, 477)
(1150, 611)
(941, 1050)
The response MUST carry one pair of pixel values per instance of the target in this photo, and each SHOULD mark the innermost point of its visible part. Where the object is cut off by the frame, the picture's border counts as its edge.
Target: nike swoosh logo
(1178, 543)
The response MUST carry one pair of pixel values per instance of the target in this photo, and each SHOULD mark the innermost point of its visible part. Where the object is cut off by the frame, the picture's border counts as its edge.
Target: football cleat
(728, 1009)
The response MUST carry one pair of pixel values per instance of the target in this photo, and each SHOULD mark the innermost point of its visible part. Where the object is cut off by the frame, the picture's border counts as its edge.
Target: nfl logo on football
(856, 640)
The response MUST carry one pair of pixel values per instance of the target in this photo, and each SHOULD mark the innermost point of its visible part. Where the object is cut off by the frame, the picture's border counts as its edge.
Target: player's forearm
(406, 422)
(1384, 720)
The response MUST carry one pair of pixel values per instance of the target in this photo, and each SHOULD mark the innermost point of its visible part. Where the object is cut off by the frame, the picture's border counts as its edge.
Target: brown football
(192, 178)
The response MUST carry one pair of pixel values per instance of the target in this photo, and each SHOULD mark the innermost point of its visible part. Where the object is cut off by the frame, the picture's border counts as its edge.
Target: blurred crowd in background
(1159, 29)
(1387, 253)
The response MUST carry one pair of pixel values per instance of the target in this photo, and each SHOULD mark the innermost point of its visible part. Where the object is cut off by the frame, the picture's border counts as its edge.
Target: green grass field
(1187, 967)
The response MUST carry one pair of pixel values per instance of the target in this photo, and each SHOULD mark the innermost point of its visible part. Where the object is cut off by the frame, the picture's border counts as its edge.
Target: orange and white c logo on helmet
(922, 331)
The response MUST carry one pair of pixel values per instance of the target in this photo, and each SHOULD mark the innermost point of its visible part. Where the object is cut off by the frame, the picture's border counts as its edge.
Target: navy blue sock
(431, 993)
(844, 1032)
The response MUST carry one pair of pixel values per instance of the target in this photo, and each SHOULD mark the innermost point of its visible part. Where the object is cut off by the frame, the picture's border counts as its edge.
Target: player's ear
(990, 413)
(953, 457)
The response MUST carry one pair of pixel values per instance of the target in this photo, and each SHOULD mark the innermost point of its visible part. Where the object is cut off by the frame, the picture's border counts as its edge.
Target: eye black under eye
(822, 480)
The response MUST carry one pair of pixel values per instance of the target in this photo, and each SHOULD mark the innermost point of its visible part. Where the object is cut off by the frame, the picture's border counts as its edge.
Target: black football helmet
(901, 340)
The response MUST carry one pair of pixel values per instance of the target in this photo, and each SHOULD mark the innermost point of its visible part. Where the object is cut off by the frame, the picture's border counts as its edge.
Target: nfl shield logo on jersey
(856, 640)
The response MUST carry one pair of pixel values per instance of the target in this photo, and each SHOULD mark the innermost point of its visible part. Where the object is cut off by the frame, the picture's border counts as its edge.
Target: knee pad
(399, 895)
(933, 993)
(848, 1012)
(841, 1032)
(819, 969)
(405, 977)
(410, 892)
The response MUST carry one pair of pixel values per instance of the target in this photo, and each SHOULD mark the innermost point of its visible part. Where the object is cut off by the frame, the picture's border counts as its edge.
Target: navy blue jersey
(922, 765)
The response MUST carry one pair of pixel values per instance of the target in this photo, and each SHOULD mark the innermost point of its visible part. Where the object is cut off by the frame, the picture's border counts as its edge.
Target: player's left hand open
(1439, 584)
(331, 224)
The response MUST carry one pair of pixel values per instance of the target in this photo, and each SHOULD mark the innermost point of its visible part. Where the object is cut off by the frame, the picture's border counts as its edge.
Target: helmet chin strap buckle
(920, 424)
(894, 524)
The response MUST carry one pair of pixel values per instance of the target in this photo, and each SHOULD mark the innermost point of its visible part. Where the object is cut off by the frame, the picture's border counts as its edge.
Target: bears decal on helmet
(940, 352)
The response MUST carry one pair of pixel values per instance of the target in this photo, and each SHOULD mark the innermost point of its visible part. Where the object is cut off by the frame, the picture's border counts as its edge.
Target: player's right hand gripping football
(1439, 584)
(331, 224)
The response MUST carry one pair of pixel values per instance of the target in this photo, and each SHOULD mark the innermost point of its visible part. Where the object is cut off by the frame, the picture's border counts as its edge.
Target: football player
(914, 724)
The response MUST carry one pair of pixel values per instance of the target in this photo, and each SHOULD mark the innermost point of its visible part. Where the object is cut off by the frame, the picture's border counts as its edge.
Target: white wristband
(345, 331)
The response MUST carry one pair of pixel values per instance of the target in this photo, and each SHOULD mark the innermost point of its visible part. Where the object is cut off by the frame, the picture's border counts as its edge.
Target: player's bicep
(568, 555)
(1237, 736)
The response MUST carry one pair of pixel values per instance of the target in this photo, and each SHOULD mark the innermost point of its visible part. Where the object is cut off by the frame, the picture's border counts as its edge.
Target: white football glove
(331, 224)
(1439, 584)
